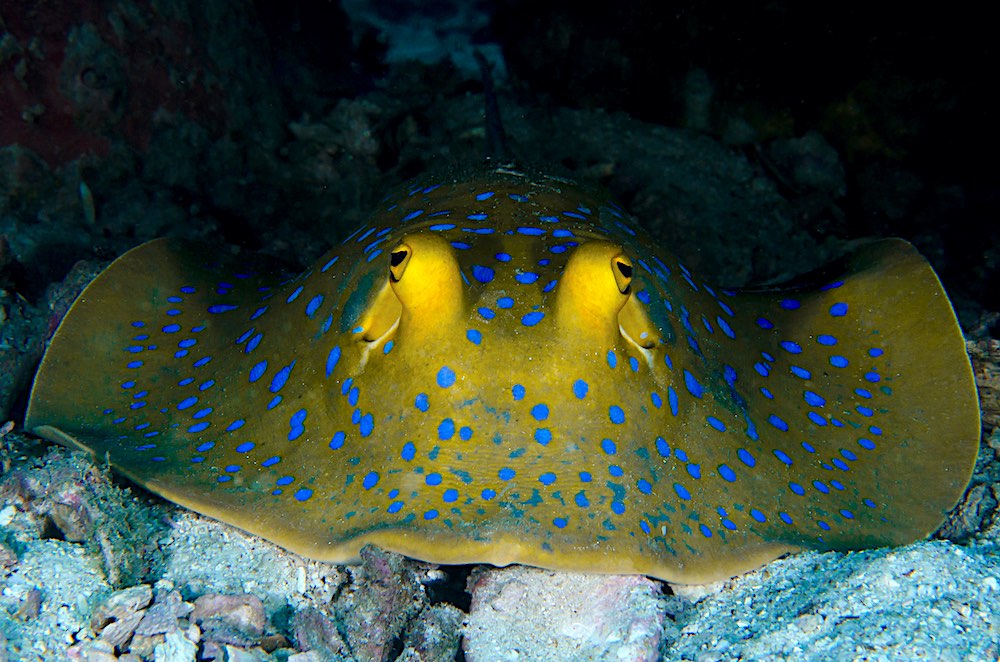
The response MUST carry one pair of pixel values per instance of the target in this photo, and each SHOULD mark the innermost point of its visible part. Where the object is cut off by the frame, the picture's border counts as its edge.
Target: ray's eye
(621, 267)
(398, 259)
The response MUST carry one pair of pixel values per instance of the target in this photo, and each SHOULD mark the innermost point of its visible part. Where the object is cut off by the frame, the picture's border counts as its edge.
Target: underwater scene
(495, 331)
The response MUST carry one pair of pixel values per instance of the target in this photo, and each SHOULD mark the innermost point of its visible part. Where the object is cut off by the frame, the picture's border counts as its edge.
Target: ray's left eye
(398, 260)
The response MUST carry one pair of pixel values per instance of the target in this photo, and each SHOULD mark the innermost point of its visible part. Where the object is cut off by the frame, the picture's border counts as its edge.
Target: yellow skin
(507, 370)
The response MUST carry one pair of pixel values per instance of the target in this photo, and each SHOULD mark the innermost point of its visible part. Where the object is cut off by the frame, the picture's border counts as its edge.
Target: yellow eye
(621, 266)
(398, 259)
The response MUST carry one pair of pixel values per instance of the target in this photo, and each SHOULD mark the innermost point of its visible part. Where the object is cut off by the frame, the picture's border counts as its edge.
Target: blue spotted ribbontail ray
(506, 369)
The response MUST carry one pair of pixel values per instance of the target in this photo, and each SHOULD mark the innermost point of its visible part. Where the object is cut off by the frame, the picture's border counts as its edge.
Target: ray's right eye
(622, 269)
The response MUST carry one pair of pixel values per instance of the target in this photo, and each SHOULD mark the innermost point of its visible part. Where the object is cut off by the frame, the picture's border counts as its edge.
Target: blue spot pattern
(754, 406)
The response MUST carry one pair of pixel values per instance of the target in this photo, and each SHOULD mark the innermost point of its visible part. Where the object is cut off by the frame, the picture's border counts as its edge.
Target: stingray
(506, 368)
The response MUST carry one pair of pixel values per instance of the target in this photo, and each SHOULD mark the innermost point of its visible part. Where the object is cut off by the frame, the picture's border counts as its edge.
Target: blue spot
(633, 363)
(446, 430)
(488, 494)
(826, 340)
(505, 303)
(662, 447)
(821, 486)
(559, 522)
(838, 309)
(656, 399)
(421, 402)
(370, 481)
(543, 436)
(682, 491)
(506, 473)
(694, 470)
(727, 473)
(199, 427)
(790, 304)
(433, 479)
(618, 508)
(540, 412)
(171, 328)
(503, 257)
(764, 323)
(394, 507)
(465, 433)
(547, 478)
(873, 377)
(757, 515)
(801, 373)
(486, 313)
(201, 413)
(612, 359)
(314, 305)
(482, 274)
(608, 446)
(616, 414)
(517, 391)
(672, 399)
(814, 399)
(526, 277)
(838, 361)
(581, 500)
(791, 347)
(777, 422)
(867, 444)
(280, 378)
(442, 226)
(253, 343)
(331, 360)
(134, 364)
(187, 402)
(409, 451)
(450, 495)
(816, 418)
(580, 388)
(875, 352)
(388, 347)
(746, 457)
(366, 425)
(533, 232)
(783, 456)
(337, 440)
(474, 336)
(533, 318)
(797, 489)
(693, 387)
(716, 423)
(445, 377)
